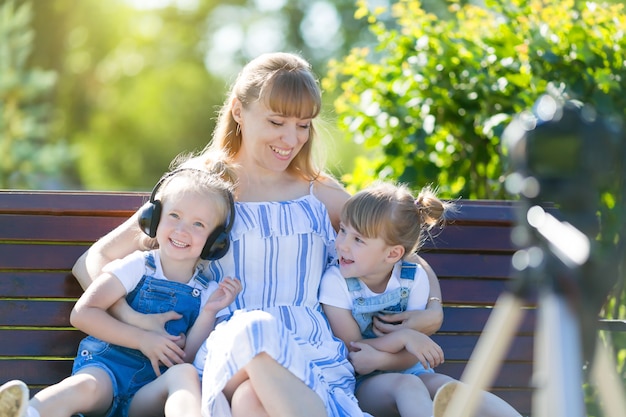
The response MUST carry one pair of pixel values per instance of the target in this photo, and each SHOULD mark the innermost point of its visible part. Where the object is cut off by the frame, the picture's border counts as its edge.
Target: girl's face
(270, 140)
(369, 259)
(186, 221)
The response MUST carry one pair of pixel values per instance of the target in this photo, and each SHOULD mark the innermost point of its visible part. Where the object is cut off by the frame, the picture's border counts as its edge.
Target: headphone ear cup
(149, 217)
(216, 245)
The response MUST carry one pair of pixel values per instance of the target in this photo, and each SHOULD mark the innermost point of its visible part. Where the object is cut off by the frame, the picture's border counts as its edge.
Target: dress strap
(200, 278)
(311, 183)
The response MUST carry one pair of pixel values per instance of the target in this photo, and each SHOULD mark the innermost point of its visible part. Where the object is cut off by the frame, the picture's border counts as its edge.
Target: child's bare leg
(490, 405)
(175, 393)
(88, 391)
(393, 394)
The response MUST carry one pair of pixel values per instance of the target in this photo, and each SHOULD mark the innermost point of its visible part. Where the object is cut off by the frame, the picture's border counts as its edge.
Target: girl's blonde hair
(390, 212)
(285, 83)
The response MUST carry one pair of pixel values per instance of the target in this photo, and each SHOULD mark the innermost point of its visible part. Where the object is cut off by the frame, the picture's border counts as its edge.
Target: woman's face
(270, 140)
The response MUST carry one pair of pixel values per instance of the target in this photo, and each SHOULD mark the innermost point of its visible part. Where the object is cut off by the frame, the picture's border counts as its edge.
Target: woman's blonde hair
(285, 83)
(390, 212)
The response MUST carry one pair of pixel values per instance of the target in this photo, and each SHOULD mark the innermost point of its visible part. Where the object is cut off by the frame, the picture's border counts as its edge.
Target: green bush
(432, 99)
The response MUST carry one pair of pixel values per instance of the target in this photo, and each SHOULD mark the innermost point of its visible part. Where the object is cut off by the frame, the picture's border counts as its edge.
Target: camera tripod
(552, 267)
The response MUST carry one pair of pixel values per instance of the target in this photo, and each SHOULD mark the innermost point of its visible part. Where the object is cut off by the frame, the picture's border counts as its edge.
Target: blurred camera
(564, 153)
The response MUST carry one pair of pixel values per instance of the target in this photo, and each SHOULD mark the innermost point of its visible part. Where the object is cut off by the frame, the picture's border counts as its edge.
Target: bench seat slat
(36, 284)
(46, 343)
(479, 265)
(36, 373)
(460, 347)
(39, 313)
(471, 238)
(40, 257)
(472, 320)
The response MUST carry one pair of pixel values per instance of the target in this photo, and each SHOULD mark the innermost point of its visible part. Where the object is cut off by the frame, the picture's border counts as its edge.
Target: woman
(276, 355)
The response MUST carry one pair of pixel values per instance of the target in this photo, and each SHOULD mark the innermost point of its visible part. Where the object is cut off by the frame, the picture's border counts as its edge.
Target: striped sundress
(279, 250)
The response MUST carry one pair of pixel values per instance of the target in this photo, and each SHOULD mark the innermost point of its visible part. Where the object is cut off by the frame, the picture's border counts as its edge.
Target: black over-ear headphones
(217, 243)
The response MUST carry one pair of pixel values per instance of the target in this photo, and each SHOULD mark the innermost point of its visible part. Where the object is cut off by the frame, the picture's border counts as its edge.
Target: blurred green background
(102, 95)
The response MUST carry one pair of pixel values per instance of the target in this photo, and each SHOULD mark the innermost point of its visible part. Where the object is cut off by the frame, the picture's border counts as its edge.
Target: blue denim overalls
(129, 369)
(394, 301)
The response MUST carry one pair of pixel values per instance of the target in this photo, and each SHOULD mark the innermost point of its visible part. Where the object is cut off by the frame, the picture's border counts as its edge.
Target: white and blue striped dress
(279, 250)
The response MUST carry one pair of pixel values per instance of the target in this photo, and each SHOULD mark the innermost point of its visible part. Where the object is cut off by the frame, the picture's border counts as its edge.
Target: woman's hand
(160, 349)
(150, 322)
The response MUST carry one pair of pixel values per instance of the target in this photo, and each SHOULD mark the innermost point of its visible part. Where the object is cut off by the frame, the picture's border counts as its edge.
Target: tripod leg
(558, 362)
(487, 356)
(607, 381)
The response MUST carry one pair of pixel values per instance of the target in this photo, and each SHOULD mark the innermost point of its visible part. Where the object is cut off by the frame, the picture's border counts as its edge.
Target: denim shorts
(128, 369)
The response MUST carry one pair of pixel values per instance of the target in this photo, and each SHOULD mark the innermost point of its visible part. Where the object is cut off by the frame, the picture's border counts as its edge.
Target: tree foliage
(136, 86)
(30, 158)
(433, 97)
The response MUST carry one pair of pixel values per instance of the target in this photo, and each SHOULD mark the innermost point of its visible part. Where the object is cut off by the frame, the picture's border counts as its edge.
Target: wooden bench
(43, 233)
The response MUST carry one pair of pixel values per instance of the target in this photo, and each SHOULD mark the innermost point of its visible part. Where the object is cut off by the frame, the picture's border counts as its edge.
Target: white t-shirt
(334, 289)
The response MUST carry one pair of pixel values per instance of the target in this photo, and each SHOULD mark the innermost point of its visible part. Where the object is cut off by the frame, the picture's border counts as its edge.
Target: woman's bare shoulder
(330, 192)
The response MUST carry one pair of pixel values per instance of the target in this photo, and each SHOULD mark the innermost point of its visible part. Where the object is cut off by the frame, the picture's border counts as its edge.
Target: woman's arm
(395, 351)
(334, 196)
(426, 321)
(121, 241)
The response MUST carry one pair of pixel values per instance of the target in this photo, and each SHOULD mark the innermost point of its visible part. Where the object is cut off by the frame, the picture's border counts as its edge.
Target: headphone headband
(217, 243)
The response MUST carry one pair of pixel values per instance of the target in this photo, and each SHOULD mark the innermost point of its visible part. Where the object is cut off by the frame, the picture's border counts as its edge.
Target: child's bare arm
(90, 315)
(342, 324)
(204, 324)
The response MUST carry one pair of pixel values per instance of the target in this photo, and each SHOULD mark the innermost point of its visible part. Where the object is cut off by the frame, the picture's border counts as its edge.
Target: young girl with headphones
(120, 369)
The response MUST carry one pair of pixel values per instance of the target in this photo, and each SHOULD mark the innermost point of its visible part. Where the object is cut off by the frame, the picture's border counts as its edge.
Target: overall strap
(353, 284)
(408, 270)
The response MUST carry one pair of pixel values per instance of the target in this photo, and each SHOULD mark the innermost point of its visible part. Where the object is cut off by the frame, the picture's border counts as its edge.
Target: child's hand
(224, 295)
(428, 353)
(363, 357)
(387, 323)
(161, 349)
